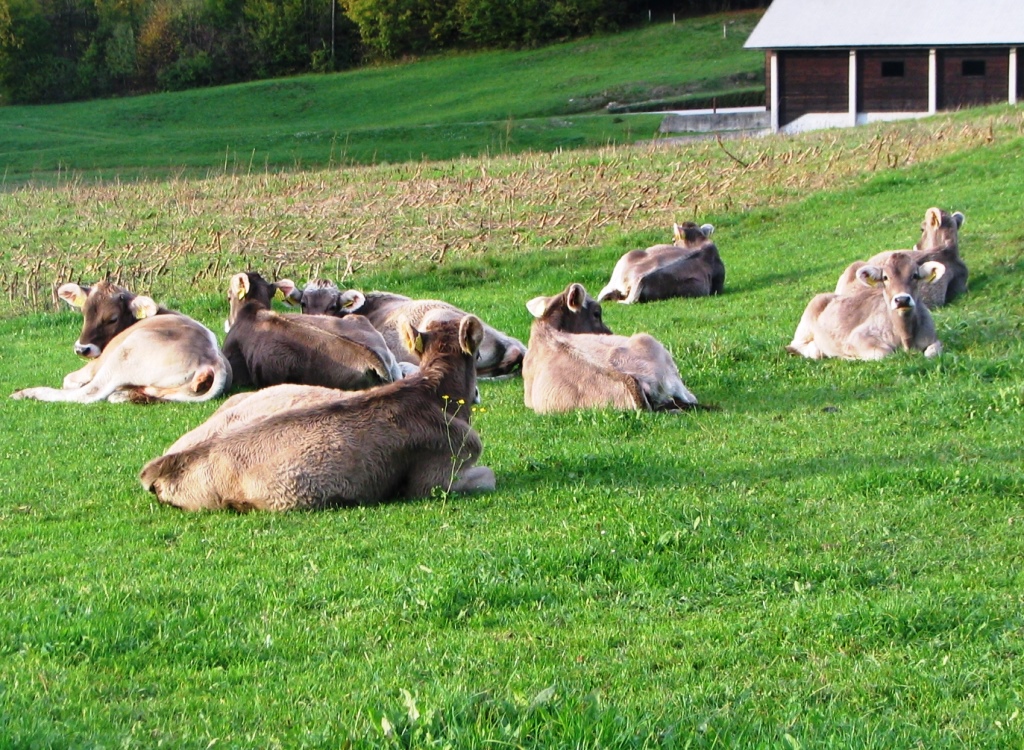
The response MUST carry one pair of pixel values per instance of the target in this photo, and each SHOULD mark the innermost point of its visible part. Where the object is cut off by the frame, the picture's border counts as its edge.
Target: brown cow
(403, 439)
(940, 242)
(265, 348)
(575, 361)
(107, 309)
(873, 322)
(691, 267)
(500, 354)
(162, 358)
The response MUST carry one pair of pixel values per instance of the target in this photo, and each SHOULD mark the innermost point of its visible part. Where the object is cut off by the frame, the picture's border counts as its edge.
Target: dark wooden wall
(813, 82)
(957, 90)
(907, 93)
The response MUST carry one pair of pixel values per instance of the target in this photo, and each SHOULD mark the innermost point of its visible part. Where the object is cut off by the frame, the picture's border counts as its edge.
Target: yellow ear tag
(140, 314)
(241, 292)
(279, 295)
(418, 344)
(79, 300)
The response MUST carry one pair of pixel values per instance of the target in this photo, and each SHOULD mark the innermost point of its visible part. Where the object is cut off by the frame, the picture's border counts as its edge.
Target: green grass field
(437, 108)
(832, 558)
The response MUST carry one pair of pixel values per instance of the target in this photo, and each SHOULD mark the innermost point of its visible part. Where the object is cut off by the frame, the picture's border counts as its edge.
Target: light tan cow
(574, 361)
(880, 317)
(691, 267)
(402, 439)
(940, 242)
(162, 358)
(501, 355)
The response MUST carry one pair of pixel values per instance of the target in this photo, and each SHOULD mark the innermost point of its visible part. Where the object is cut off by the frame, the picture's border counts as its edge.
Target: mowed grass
(830, 559)
(436, 108)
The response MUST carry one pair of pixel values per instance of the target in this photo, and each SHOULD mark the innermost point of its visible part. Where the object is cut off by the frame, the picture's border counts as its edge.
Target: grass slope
(437, 108)
(832, 559)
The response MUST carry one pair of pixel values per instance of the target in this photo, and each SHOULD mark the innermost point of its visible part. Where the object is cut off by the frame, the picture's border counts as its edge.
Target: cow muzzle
(89, 351)
(903, 303)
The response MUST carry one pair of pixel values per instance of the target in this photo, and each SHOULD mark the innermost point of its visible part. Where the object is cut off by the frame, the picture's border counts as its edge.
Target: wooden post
(933, 81)
(773, 66)
(1013, 75)
(853, 87)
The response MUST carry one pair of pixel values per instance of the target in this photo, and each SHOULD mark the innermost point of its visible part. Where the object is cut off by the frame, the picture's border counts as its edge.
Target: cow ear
(143, 307)
(73, 294)
(351, 300)
(575, 297)
(286, 292)
(869, 275)
(959, 218)
(931, 271)
(537, 306)
(239, 285)
(933, 216)
(707, 229)
(412, 339)
(471, 333)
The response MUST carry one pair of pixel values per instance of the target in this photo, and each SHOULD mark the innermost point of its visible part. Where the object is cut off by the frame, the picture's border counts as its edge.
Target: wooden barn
(834, 63)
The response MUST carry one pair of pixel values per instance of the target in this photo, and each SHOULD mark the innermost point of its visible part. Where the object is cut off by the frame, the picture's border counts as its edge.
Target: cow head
(319, 297)
(107, 309)
(572, 311)
(449, 347)
(688, 234)
(940, 229)
(900, 278)
(251, 287)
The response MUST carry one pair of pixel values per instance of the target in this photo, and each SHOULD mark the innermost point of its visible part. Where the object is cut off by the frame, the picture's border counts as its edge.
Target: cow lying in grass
(880, 317)
(400, 440)
(139, 352)
(940, 242)
(574, 361)
(500, 354)
(691, 267)
(266, 349)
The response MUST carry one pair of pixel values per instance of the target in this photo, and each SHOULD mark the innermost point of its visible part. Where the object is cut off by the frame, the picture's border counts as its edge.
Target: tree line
(65, 50)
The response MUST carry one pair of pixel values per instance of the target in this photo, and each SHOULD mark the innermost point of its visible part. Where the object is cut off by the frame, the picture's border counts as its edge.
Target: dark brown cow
(873, 322)
(265, 348)
(107, 309)
(940, 242)
(400, 440)
(691, 267)
(576, 362)
(500, 354)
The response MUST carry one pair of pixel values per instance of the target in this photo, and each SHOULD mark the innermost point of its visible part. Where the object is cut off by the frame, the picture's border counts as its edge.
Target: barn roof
(889, 23)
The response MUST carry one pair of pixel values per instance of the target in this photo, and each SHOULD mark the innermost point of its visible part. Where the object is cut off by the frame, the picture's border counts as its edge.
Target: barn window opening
(972, 67)
(892, 69)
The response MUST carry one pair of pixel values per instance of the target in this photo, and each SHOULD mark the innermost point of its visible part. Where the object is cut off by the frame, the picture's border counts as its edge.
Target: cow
(266, 348)
(574, 361)
(159, 358)
(691, 267)
(880, 317)
(500, 354)
(107, 309)
(400, 440)
(940, 242)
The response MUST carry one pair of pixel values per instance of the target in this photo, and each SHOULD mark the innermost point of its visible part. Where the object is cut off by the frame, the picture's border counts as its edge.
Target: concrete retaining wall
(715, 122)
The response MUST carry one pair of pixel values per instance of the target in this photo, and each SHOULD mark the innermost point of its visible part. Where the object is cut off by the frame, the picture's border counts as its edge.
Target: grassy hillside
(831, 559)
(437, 108)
